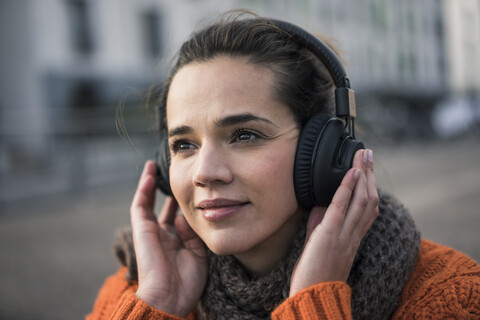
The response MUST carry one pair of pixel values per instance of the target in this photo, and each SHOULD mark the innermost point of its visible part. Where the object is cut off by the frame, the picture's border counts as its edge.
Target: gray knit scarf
(380, 270)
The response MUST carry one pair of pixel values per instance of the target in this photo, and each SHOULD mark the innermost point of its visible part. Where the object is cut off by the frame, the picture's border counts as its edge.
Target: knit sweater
(445, 284)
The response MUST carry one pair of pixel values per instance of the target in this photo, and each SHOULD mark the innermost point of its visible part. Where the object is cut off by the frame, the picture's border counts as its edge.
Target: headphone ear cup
(333, 158)
(302, 172)
(324, 155)
(162, 159)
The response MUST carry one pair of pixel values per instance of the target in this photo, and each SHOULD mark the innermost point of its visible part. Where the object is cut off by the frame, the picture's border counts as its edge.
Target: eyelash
(239, 131)
(175, 145)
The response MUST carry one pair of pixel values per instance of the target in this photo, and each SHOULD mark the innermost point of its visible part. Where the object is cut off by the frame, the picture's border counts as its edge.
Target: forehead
(221, 73)
(219, 87)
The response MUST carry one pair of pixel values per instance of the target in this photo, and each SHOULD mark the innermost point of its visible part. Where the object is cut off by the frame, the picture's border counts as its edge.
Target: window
(80, 32)
(378, 15)
(151, 34)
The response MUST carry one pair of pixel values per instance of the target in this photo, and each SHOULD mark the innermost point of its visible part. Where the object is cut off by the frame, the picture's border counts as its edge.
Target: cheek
(274, 173)
(183, 191)
(180, 183)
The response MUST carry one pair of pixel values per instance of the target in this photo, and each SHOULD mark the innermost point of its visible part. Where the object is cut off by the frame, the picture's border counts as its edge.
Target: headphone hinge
(345, 103)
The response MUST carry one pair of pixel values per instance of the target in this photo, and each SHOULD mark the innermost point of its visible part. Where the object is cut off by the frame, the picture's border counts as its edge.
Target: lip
(215, 210)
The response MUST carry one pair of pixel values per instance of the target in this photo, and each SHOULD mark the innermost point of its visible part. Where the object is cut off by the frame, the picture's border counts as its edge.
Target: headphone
(326, 145)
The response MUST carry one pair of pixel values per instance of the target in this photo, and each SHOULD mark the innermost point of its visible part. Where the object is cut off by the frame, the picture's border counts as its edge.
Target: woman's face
(233, 149)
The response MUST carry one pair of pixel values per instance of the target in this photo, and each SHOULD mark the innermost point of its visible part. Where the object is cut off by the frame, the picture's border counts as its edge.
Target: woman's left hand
(334, 233)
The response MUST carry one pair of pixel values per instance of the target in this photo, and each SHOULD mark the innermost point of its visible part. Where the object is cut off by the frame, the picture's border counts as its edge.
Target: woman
(232, 109)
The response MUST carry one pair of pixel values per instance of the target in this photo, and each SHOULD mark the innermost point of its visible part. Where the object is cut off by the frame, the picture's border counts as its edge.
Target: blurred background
(70, 68)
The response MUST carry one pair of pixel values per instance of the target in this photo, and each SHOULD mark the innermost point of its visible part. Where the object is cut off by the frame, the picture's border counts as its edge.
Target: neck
(261, 259)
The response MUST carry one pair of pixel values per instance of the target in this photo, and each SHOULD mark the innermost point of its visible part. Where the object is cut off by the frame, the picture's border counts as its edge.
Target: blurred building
(459, 112)
(66, 64)
(462, 35)
(388, 46)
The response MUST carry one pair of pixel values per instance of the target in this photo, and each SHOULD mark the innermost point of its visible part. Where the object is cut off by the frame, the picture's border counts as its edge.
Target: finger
(167, 215)
(345, 190)
(358, 159)
(371, 220)
(189, 238)
(364, 205)
(335, 215)
(150, 168)
(144, 223)
(372, 192)
(145, 193)
(144, 200)
(315, 218)
(358, 206)
(372, 185)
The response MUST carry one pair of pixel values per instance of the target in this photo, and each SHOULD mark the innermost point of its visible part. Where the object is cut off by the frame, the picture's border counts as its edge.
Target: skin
(249, 162)
(230, 140)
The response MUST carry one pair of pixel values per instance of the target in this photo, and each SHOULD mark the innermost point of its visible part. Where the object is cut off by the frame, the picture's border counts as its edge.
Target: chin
(229, 244)
(222, 251)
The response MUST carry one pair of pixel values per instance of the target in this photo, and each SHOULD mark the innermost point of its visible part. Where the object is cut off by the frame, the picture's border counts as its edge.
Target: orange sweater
(444, 284)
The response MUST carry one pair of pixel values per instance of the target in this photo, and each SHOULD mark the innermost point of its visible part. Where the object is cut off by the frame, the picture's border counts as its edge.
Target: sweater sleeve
(327, 300)
(117, 300)
(445, 284)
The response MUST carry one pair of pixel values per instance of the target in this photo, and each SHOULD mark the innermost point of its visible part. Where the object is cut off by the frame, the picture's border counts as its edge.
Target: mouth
(216, 210)
(218, 203)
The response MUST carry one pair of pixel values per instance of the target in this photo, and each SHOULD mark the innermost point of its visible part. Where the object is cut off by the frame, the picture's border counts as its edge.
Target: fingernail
(356, 174)
(365, 156)
(370, 156)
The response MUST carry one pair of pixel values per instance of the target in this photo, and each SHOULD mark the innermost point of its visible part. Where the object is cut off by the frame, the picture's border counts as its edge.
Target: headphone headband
(344, 96)
(319, 49)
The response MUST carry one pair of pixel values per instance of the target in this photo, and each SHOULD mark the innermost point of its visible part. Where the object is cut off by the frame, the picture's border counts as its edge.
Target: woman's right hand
(171, 258)
(334, 234)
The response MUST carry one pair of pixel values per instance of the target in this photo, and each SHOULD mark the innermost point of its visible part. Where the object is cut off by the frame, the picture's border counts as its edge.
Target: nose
(211, 167)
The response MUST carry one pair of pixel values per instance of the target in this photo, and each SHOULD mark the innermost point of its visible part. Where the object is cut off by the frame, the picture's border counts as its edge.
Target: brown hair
(301, 81)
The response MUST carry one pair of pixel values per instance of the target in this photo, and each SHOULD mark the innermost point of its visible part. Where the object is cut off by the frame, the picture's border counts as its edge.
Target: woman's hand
(334, 233)
(171, 258)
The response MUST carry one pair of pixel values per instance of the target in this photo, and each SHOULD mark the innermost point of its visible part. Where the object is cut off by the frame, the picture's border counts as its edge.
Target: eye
(181, 146)
(244, 135)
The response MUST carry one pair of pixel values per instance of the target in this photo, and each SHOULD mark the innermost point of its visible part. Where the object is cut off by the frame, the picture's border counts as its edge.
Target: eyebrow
(240, 118)
(223, 122)
(179, 131)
